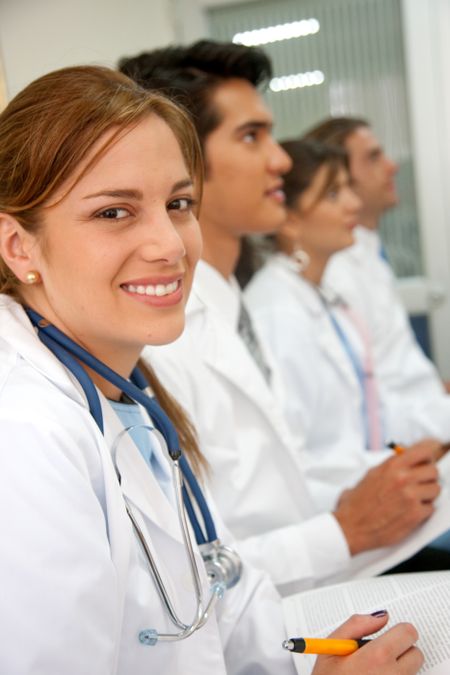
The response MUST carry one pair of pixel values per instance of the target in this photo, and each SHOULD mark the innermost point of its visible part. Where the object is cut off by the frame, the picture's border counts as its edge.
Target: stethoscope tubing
(67, 352)
(65, 349)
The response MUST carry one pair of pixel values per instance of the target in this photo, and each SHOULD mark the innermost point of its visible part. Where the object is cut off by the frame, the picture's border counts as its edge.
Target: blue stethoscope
(223, 565)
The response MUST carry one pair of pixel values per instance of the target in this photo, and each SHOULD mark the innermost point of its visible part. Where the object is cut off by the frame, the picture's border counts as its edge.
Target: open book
(422, 599)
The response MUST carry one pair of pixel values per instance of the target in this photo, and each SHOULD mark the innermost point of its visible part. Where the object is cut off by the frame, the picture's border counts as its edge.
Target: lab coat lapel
(138, 483)
(118, 526)
(224, 355)
(31, 349)
(224, 352)
(327, 338)
(222, 349)
(334, 352)
(227, 354)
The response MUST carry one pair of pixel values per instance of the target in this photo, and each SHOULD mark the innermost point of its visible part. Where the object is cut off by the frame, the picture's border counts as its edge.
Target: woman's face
(117, 253)
(326, 223)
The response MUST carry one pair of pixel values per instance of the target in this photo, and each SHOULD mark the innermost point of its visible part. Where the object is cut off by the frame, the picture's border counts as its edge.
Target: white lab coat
(416, 404)
(323, 394)
(76, 590)
(256, 477)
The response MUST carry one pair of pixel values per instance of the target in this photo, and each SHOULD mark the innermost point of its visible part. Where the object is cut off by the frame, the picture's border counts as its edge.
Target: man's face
(243, 190)
(372, 172)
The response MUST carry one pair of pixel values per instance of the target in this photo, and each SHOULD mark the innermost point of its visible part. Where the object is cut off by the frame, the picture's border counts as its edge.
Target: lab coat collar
(25, 344)
(312, 297)
(367, 243)
(15, 322)
(138, 483)
(369, 240)
(217, 293)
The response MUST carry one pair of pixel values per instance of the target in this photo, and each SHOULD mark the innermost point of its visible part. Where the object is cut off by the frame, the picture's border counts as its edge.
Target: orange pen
(398, 449)
(333, 647)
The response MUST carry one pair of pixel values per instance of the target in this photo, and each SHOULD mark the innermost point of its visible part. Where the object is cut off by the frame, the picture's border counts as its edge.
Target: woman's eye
(182, 204)
(113, 213)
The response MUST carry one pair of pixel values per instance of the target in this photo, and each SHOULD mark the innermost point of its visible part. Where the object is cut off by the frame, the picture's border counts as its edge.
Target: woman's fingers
(392, 653)
(360, 625)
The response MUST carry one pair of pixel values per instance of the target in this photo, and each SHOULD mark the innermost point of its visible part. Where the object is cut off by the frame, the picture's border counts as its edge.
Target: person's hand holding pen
(391, 500)
(393, 653)
(432, 445)
(441, 449)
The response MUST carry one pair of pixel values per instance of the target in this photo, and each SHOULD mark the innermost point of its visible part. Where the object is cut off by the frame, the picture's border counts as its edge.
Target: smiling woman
(99, 185)
(85, 168)
(129, 233)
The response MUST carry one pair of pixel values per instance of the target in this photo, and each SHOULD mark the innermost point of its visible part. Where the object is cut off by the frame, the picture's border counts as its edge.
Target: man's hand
(391, 500)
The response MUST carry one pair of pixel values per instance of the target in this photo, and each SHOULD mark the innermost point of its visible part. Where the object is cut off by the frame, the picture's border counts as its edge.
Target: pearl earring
(301, 259)
(32, 277)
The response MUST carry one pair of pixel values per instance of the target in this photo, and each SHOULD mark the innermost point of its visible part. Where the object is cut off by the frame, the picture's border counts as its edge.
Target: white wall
(190, 17)
(37, 36)
(427, 45)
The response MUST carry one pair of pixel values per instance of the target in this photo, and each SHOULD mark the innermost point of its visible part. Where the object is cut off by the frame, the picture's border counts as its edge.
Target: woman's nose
(163, 242)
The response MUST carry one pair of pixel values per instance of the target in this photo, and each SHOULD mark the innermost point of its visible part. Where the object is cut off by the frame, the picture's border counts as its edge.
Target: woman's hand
(393, 653)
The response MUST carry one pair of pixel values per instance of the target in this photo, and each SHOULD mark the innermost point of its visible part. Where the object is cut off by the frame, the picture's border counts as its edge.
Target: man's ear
(16, 246)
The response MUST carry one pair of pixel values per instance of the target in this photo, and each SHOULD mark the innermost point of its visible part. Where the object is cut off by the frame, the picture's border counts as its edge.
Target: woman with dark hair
(320, 345)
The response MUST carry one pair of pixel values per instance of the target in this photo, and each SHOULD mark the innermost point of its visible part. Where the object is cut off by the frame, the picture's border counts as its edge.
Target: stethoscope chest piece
(223, 565)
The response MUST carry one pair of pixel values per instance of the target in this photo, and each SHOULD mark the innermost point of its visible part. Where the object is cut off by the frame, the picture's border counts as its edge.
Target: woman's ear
(291, 230)
(16, 247)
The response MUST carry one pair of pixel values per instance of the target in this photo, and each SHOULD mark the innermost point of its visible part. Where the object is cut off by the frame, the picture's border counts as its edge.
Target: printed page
(371, 563)
(422, 599)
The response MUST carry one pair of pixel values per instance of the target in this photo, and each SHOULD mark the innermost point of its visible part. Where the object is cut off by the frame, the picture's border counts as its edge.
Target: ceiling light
(283, 31)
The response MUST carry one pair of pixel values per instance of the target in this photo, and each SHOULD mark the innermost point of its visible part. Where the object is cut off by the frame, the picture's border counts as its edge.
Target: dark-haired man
(416, 404)
(220, 372)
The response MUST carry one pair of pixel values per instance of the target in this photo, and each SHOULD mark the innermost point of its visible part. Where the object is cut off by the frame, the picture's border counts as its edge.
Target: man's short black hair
(189, 75)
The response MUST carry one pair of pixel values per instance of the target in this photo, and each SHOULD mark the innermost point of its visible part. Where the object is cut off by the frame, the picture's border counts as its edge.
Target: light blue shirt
(131, 416)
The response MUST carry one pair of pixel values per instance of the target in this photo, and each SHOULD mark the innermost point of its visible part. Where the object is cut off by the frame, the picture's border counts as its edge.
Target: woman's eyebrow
(179, 185)
(128, 194)
(135, 194)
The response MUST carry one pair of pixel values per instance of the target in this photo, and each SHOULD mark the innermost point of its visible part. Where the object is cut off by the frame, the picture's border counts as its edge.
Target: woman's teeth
(150, 289)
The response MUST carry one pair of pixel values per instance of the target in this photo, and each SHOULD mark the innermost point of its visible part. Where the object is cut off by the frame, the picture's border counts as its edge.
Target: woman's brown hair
(49, 128)
(308, 156)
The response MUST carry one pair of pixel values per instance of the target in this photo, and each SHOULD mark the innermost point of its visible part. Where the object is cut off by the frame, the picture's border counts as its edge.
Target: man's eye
(250, 137)
(113, 213)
